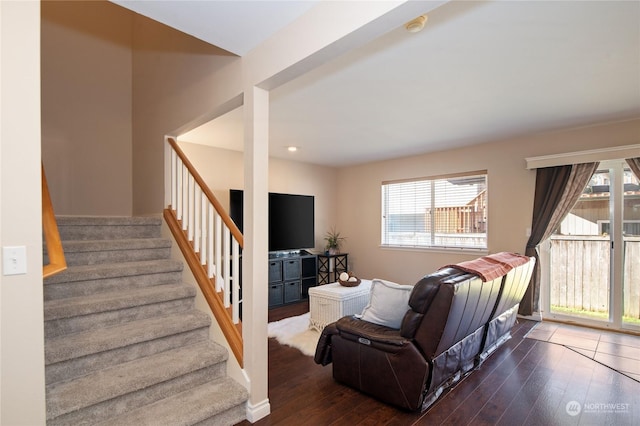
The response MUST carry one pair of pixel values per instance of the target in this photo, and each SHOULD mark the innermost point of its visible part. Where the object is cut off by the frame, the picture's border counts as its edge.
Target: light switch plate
(14, 260)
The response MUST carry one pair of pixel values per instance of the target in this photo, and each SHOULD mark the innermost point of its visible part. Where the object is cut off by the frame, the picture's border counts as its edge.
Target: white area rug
(295, 332)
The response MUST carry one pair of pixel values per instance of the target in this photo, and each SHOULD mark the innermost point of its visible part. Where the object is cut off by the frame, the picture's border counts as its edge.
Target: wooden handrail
(233, 228)
(198, 248)
(57, 262)
(232, 332)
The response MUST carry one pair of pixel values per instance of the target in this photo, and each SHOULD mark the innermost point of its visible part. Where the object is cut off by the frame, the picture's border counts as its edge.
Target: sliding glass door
(594, 256)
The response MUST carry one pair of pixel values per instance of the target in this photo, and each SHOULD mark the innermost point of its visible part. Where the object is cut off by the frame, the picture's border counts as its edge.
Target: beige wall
(22, 394)
(511, 189)
(114, 83)
(174, 82)
(86, 106)
(222, 169)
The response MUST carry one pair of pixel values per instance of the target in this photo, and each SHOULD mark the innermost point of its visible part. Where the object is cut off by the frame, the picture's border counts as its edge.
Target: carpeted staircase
(124, 344)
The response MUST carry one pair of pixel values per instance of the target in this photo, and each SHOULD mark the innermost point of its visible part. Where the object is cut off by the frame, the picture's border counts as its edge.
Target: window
(439, 212)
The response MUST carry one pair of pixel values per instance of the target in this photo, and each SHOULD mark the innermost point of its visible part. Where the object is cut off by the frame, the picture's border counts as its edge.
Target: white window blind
(440, 212)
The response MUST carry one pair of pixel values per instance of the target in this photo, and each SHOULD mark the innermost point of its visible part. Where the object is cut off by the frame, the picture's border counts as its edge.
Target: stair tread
(113, 270)
(109, 301)
(111, 382)
(62, 348)
(159, 366)
(108, 220)
(188, 407)
(79, 246)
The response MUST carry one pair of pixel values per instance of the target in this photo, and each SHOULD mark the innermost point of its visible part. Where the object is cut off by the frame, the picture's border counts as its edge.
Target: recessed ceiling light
(292, 148)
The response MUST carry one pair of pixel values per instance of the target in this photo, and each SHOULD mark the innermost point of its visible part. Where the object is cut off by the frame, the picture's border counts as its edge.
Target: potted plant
(333, 240)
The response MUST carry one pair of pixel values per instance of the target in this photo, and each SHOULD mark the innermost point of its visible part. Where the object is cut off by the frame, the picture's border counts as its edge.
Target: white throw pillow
(388, 302)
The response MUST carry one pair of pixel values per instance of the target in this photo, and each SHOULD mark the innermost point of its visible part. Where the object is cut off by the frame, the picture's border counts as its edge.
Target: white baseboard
(258, 411)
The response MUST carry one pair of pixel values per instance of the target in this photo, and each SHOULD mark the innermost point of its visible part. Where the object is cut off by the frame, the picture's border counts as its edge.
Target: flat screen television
(291, 219)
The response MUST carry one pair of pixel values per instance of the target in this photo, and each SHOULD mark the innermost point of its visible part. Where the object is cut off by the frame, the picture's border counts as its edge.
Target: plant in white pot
(333, 240)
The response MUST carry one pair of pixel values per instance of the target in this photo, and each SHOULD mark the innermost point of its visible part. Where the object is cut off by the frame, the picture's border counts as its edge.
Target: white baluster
(185, 197)
(174, 178)
(192, 209)
(235, 280)
(204, 203)
(197, 216)
(227, 265)
(179, 190)
(210, 236)
(218, 262)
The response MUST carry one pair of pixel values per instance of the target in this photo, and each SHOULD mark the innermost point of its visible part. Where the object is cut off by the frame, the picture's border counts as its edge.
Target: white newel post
(169, 175)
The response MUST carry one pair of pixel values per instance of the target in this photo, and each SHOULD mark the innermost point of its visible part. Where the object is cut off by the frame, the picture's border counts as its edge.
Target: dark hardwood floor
(525, 382)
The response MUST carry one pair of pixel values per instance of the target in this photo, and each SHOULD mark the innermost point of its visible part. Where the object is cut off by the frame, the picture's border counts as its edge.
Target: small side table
(330, 266)
(330, 302)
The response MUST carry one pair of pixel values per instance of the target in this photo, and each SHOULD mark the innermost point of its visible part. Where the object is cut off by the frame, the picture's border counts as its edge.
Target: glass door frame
(616, 278)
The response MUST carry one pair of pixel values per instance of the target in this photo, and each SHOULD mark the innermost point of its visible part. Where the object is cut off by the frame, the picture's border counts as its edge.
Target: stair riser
(227, 418)
(114, 256)
(121, 274)
(219, 402)
(58, 327)
(107, 232)
(132, 400)
(77, 367)
(85, 288)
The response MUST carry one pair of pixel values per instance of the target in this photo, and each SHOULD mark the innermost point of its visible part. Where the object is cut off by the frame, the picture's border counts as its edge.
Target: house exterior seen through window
(439, 212)
(582, 253)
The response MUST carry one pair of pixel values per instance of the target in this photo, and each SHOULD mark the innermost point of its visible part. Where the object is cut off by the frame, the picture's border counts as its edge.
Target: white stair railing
(211, 232)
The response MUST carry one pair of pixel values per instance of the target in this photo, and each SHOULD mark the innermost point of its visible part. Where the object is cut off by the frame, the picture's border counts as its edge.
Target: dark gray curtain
(557, 190)
(634, 163)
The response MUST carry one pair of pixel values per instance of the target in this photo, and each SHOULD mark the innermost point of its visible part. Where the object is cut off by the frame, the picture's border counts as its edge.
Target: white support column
(255, 252)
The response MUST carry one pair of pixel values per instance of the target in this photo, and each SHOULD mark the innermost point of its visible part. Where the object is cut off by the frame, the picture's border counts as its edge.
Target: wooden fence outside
(580, 274)
(468, 219)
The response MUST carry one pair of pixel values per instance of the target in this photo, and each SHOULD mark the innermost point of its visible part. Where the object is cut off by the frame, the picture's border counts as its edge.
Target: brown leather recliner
(441, 337)
(514, 285)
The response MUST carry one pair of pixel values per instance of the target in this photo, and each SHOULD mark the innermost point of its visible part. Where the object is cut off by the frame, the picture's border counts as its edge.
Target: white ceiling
(479, 71)
(235, 26)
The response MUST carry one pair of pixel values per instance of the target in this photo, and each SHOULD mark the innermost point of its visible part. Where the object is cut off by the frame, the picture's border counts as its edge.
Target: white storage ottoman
(330, 302)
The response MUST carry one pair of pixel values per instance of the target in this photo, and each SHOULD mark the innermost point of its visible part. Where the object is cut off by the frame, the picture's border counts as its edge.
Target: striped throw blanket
(493, 266)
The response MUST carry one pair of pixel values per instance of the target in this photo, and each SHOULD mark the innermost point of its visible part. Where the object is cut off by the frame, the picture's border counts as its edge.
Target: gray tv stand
(291, 275)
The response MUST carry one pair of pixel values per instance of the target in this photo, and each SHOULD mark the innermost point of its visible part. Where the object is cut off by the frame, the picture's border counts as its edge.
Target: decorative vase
(333, 251)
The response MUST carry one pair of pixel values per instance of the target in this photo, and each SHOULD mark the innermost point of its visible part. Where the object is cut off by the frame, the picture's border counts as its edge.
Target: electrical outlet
(14, 260)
